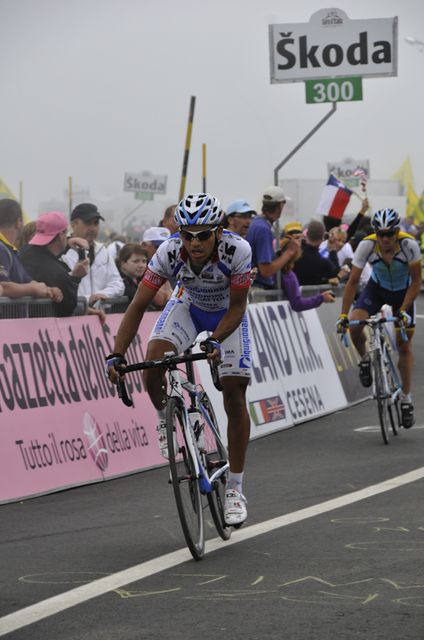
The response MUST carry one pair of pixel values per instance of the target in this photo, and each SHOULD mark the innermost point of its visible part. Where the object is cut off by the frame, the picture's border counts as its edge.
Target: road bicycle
(386, 384)
(198, 459)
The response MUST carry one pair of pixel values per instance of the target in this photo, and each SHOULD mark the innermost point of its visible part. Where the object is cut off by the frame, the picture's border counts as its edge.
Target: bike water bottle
(197, 426)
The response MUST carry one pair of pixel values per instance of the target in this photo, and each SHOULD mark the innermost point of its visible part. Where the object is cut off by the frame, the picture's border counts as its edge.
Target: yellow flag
(419, 210)
(404, 174)
(411, 202)
(5, 192)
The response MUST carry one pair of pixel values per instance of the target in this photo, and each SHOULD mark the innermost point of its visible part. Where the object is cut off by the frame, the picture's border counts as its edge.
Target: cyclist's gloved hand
(404, 319)
(210, 345)
(114, 362)
(342, 323)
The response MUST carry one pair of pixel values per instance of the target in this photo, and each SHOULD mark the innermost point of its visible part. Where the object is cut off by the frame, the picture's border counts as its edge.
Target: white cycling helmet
(199, 208)
(385, 219)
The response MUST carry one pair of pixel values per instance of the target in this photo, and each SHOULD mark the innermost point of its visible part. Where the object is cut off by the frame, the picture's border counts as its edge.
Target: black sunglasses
(246, 215)
(386, 234)
(199, 235)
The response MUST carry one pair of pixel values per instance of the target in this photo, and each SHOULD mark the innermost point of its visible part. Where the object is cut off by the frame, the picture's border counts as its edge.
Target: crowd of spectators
(64, 261)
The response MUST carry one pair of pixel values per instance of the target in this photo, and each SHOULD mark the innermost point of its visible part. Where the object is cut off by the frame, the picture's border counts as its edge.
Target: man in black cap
(103, 280)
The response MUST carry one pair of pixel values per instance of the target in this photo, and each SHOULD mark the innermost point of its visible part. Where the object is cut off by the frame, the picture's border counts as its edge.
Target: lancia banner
(331, 45)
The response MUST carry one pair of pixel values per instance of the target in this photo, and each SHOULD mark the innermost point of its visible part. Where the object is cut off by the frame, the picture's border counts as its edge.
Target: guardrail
(271, 295)
(28, 307)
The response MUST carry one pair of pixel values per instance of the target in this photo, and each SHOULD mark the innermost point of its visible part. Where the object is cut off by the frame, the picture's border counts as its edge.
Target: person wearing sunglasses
(395, 260)
(212, 267)
(239, 215)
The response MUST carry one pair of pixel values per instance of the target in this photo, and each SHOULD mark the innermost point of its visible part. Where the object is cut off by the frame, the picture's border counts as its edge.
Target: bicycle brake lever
(123, 394)
(403, 334)
(344, 339)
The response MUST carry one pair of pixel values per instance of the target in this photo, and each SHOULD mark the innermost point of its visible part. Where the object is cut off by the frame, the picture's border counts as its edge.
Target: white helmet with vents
(385, 219)
(199, 208)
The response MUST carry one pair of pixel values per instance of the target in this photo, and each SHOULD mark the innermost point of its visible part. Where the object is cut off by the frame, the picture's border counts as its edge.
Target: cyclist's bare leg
(234, 396)
(406, 360)
(357, 334)
(154, 379)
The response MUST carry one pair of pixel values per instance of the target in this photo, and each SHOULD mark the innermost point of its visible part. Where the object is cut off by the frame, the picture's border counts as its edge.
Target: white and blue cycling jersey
(200, 300)
(393, 275)
(208, 290)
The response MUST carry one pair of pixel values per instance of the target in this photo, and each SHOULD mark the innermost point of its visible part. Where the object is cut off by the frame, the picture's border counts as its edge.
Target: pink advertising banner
(61, 423)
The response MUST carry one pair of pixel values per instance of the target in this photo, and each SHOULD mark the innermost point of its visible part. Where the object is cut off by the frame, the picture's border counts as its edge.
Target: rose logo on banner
(96, 442)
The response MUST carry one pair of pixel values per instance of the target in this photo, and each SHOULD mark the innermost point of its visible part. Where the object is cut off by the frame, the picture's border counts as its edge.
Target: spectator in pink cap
(41, 259)
(14, 279)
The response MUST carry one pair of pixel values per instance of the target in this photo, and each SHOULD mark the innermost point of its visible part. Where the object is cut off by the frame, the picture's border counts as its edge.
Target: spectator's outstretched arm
(268, 269)
(33, 289)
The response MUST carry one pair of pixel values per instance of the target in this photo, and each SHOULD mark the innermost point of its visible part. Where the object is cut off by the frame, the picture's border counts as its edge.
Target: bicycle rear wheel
(184, 481)
(214, 456)
(382, 400)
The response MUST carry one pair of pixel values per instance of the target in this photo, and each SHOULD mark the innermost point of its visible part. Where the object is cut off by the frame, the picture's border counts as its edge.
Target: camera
(82, 254)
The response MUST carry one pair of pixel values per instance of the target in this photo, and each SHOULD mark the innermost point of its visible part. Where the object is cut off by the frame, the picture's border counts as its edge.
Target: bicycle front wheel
(381, 396)
(393, 382)
(184, 481)
(214, 456)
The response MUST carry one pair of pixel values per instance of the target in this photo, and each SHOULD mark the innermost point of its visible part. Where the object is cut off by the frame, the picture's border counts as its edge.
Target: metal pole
(285, 160)
(302, 142)
(21, 193)
(140, 204)
(70, 194)
(187, 146)
(204, 167)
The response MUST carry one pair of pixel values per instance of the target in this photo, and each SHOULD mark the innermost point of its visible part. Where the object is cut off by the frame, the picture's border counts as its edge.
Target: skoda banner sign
(145, 182)
(331, 45)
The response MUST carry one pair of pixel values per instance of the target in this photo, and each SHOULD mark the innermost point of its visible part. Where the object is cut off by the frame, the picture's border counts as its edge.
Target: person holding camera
(102, 280)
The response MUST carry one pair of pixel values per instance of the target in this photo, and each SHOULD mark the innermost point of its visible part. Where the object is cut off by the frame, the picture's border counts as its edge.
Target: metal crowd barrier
(114, 305)
(28, 307)
(270, 295)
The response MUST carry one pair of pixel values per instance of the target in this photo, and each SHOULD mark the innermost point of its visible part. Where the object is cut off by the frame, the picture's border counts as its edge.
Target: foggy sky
(94, 88)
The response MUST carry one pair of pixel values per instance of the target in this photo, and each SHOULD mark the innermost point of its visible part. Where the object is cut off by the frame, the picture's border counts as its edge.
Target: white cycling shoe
(235, 511)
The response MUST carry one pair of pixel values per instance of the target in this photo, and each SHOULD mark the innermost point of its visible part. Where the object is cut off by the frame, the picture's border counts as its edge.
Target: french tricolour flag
(334, 199)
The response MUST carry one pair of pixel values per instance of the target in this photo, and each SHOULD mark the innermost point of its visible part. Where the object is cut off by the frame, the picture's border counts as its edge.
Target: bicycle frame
(386, 386)
(177, 385)
(379, 351)
(176, 390)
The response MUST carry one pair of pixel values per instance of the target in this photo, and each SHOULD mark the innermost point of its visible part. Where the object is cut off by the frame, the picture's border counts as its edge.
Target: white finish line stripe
(76, 596)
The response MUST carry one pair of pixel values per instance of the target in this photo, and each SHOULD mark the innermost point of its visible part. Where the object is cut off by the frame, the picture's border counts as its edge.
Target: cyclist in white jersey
(395, 259)
(212, 268)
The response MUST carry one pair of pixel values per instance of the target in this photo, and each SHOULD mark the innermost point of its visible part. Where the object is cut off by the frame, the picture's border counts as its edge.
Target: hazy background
(94, 88)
